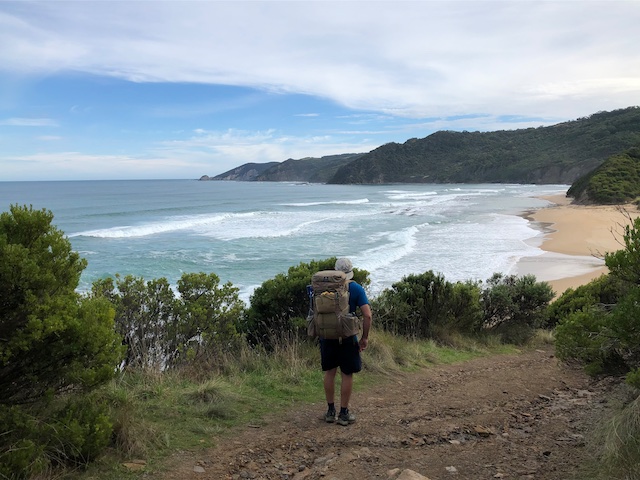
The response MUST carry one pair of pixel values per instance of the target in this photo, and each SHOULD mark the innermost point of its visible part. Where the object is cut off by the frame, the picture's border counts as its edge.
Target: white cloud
(76, 165)
(405, 58)
(205, 153)
(216, 152)
(29, 122)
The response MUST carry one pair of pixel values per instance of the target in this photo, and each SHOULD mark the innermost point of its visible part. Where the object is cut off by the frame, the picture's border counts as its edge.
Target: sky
(179, 89)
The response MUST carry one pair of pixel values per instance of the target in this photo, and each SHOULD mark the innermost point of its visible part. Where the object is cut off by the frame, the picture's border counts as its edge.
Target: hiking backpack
(329, 316)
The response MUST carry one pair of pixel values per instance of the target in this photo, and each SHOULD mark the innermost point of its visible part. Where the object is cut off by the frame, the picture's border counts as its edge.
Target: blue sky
(179, 89)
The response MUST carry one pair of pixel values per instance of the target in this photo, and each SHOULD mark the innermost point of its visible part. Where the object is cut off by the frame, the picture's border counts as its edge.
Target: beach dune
(576, 238)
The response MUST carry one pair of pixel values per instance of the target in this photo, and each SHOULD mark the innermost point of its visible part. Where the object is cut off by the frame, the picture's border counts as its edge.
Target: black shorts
(345, 354)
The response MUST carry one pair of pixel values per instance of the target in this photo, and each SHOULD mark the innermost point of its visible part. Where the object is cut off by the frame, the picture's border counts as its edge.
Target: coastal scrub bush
(161, 329)
(604, 292)
(624, 264)
(515, 306)
(71, 432)
(606, 337)
(280, 305)
(209, 315)
(422, 305)
(143, 312)
(55, 345)
(605, 341)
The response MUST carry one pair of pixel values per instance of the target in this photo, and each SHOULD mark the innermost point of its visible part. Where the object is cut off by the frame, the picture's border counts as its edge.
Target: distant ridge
(246, 173)
(557, 154)
(313, 170)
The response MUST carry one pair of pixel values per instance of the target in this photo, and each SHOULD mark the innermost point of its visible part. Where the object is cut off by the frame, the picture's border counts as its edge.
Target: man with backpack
(344, 352)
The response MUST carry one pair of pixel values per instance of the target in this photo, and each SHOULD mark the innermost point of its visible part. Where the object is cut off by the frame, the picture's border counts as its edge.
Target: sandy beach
(576, 237)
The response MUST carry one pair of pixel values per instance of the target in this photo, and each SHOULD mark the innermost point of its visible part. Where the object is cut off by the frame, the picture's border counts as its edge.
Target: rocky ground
(522, 416)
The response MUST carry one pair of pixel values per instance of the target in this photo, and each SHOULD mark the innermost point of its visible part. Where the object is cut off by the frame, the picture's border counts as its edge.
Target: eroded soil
(521, 416)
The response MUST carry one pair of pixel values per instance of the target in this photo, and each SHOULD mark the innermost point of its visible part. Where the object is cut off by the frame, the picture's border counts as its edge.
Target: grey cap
(345, 265)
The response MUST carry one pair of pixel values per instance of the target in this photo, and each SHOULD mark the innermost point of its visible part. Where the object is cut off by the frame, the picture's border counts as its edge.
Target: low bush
(162, 330)
(426, 305)
(514, 307)
(604, 292)
(40, 439)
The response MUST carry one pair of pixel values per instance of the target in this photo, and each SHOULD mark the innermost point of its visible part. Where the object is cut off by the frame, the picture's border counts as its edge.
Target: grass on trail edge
(158, 413)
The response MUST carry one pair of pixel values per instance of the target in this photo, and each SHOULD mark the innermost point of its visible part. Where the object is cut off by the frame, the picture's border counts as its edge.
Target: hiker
(344, 353)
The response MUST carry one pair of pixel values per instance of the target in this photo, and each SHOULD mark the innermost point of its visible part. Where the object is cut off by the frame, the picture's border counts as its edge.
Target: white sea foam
(468, 251)
(404, 195)
(358, 201)
(154, 228)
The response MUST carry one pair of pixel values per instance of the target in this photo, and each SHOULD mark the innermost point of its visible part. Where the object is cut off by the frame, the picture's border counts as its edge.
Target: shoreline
(574, 240)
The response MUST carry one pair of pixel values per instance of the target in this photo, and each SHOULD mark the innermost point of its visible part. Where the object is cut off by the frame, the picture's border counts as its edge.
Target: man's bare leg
(330, 385)
(345, 390)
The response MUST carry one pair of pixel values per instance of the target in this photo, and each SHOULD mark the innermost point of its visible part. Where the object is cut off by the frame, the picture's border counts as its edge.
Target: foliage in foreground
(606, 336)
(615, 445)
(55, 348)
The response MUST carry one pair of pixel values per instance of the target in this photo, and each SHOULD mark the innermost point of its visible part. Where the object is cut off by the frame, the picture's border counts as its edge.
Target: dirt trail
(518, 416)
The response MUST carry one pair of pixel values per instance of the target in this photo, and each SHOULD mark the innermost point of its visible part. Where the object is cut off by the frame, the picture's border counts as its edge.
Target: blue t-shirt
(357, 297)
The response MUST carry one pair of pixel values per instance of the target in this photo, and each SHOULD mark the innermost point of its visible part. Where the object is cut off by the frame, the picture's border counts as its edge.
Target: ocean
(248, 232)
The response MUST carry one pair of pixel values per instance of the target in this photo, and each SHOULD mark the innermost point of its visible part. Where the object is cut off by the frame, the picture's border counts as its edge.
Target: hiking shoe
(345, 419)
(330, 416)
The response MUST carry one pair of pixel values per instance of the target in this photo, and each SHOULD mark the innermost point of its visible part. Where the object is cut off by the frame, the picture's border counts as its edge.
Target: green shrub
(56, 346)
(52, 340)
(584, 336)
(160, 329)
(421, 305)
(515, 306)
(20, 455)
(280, 305)
(604, 291)
(80, 431)
(605, 337)
(143, 315)
(624, 264)
(209, 315)
(39, 438)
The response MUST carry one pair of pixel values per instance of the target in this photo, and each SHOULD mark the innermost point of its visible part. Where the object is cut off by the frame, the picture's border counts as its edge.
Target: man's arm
(366, 325)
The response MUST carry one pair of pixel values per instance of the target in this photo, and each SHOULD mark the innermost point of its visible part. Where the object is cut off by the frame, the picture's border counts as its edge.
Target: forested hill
(556, 154)
(615, 182)
(560, 153)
